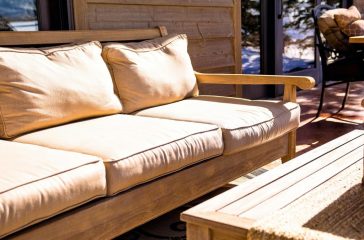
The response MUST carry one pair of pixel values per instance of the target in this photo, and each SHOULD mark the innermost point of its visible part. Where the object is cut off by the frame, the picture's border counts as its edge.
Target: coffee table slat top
(237, 209)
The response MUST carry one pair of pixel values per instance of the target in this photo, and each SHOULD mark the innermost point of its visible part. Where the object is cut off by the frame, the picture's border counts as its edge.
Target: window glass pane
(335, 3)
(18, 15)
(298, 35)
(250, 35)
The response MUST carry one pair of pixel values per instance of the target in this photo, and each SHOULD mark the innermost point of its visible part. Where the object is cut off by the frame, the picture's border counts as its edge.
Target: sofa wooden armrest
(290, 82)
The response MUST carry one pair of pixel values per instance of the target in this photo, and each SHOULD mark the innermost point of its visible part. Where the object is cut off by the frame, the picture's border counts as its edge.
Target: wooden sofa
(110, 216)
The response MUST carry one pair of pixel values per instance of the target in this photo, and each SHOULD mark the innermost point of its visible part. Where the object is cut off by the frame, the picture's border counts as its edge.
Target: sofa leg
(291, 146)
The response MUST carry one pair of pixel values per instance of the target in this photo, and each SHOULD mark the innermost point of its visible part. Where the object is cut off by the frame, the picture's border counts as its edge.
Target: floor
(312, 133)
(331, 124)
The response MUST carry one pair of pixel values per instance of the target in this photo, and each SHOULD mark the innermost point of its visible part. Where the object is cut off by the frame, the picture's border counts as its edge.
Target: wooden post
(290, 96)
(80, 20)
(237, 43)
(195, 232)
(291, 146)
(290, 93)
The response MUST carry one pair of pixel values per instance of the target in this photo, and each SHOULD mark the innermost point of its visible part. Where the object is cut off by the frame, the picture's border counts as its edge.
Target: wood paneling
(213, 27)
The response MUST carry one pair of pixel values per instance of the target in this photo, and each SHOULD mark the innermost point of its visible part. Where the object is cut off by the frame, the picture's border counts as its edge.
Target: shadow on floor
(331, 124)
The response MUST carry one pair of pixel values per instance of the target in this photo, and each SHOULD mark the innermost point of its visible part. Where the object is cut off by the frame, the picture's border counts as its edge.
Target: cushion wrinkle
(161, 145)
(3, 126)
(47, 51)
(164, 174)
(171, 40)
(45, 177)
(257, 124)
(112, 73)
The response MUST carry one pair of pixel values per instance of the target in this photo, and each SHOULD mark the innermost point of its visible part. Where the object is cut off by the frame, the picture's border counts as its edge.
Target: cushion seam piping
(49, 176)
(113, 79)
(180, 36)
(166, 174)
(71, 47)
(164, 144)
(3, 123)
(277, 116)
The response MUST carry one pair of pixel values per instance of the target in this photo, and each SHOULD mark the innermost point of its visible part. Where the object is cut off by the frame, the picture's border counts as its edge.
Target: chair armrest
(290, 82)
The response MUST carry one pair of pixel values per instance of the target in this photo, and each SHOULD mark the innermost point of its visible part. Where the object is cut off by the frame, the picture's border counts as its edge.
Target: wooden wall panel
(213, 27)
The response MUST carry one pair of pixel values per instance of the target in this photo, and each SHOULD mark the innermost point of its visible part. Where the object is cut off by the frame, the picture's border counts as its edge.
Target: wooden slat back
(61, 37)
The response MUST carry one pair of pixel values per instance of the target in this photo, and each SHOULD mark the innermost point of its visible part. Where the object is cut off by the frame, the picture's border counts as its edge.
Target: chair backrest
(327, 52)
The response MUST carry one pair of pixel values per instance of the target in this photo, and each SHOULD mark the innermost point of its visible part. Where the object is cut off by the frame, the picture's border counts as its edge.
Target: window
(18, 15)
(251, 35)
(298, 35)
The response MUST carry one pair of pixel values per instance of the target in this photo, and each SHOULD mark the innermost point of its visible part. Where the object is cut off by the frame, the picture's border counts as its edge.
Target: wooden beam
(292, 138)
(290, 93)
(80, 20)
(237, 44)
(60, 37)
(196, 3)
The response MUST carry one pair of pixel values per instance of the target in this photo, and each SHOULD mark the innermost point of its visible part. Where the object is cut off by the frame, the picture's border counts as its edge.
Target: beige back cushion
(151, 73)
(331, 31)
(346, 17)
(45, 87)
(355, 28)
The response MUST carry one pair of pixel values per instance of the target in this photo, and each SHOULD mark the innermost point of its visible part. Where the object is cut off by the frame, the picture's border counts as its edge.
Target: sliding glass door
(298, 36)
(278, 38)
(251, 32)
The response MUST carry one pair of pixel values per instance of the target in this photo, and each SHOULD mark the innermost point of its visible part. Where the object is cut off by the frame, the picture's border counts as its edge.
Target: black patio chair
(337, 66)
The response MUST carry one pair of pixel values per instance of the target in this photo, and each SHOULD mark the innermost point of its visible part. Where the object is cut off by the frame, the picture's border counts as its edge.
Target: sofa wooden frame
(108, 217)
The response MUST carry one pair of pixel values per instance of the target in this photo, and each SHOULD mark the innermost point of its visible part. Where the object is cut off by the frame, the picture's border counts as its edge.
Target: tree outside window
(18, 15)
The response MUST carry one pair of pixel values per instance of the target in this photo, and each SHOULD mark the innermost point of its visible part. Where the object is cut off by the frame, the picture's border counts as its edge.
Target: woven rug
(334, 210)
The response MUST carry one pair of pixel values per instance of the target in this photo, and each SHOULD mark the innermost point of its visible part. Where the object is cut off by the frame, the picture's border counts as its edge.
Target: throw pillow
(347, 16)
(331, 31)
(46, 87)
(152, 72)
(355, 28)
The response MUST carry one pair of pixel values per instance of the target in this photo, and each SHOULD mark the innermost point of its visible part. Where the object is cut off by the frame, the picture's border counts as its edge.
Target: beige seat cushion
(45, 87)
(152, 72)
(244, 123)
(134, 149)
(37, 183)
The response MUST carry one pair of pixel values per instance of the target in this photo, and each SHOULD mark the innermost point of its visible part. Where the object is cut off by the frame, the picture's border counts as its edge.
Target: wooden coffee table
(231, 214)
